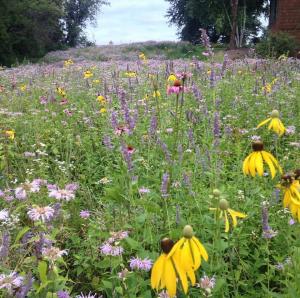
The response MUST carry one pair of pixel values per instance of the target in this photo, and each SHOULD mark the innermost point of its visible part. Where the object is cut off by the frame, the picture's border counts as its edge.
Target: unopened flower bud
(216, 193)
(275, 114)
(223, 204)
(188, 232)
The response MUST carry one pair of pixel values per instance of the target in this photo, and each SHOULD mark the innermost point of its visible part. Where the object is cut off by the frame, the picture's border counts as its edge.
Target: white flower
(4, 215)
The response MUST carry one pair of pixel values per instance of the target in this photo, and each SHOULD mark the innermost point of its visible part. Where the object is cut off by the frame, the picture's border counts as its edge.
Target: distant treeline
(31, 28)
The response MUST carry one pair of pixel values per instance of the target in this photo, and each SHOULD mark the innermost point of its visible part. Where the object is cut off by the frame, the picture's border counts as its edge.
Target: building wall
(287, 17)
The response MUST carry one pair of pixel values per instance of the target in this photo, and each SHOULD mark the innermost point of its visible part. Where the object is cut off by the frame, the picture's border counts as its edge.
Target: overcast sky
(132, 20)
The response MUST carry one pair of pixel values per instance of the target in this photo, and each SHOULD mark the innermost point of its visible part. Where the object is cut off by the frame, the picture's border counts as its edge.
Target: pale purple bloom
(169, 130)
(11, 281)
(67, 194)
(29, 154)
(4, 248)
(255, 138)
(53, 253)
(20, 193)
(164, 294)
(122, 274)
(207, 283)
(4, 215)
(63, 294)
(164, 185)
(89, 295)
(268, 233)
(84, 214)
(111, 250)
(144, 190)
(290, 130)
(41, 213)
(140, 264)
(292, 222)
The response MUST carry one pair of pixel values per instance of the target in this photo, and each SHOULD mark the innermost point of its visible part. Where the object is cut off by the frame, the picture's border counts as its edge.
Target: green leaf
(42, 269)
(132, 243)
(107, 284)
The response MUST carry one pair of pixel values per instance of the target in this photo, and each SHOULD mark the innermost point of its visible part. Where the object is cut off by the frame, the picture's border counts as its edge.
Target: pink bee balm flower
(84, 214)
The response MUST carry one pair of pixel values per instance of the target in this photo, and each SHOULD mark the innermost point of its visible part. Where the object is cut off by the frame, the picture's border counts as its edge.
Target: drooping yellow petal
(195, 254)
(234, 214)
(181, 273)
(169, 277)
(252, 163)
(191, 275)
(202, 249)
(226, 222)
(259, 164)
(263, 122)
(157, 271)
(269, 162)
(286, 198)
(186, 259)
(177, 245)
(246, 165)
(275, 162)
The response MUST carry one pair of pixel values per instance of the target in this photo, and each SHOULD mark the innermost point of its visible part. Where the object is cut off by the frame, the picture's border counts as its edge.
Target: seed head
(188, 232)
(257, 146)
(275, 114)
(216, 193)
(223, 204)
(166, 245)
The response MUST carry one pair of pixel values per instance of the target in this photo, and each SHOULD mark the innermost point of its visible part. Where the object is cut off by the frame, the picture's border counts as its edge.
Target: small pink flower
(85, 214)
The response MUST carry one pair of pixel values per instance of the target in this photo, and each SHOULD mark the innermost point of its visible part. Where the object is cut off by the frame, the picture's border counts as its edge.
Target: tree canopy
(30, 28)
(216, 17)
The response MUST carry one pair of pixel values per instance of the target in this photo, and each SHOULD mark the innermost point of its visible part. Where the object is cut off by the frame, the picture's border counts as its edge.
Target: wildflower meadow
(150, 178)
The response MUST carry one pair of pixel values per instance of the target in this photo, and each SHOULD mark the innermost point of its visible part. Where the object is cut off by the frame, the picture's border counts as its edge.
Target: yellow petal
(177, 245)
(259, 164)
(252, 163)
(157, 271)
(196, 254)
(191, 275)
(186, 259)
(202, 249)
(274, 160)
(180, 271)
(286, 198)
(169, 277)
(246, 165)
(266, 157)
(263, 123)
(234, 215)
(226, 223)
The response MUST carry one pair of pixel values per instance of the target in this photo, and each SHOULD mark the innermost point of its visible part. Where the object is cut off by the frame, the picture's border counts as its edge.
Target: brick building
(285, 16)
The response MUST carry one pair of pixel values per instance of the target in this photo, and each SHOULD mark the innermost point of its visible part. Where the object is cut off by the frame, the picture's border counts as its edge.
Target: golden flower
(23, 87)
(102, 110)
(172, 78)
(291, 196)
(61, 91)
(166, 269)
(96, 81)
(101, 99)
(156, 94)
(254, 162)
(267, 88)
(130, 74)
(142, 56)
(87, 74)
(10, 134)
(275, 123)
(68, 62)
(223, 211)
(189, 252)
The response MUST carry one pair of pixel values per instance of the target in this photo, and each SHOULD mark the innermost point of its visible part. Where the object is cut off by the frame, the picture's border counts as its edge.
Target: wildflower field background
(101, 160)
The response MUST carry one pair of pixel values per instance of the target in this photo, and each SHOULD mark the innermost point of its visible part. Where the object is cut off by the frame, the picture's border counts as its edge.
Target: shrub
(277, 44)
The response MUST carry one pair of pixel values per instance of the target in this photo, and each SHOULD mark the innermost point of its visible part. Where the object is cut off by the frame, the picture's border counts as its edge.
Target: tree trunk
(234, 12)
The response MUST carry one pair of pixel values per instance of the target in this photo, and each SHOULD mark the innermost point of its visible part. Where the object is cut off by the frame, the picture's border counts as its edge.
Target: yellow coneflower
(68, 62)
(10, 134)
(130, 74)
(101, 99)
(96, 81)
(87, 74)
(165, 270)
(291, 197)
(223, 211)
(275, 123)
(254, 162)
(156, 94)
(143, 57)
(190, 252)
(102, 110)
(172, 78)
(61, 91)
(23, 87)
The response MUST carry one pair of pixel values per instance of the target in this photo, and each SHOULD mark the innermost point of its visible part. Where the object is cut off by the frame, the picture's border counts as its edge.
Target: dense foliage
(215, 16)
(31, 28)
(100, 161)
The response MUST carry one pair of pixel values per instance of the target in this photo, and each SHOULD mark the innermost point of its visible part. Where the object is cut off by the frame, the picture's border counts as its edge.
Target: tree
(216, 16)
(77, 13)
